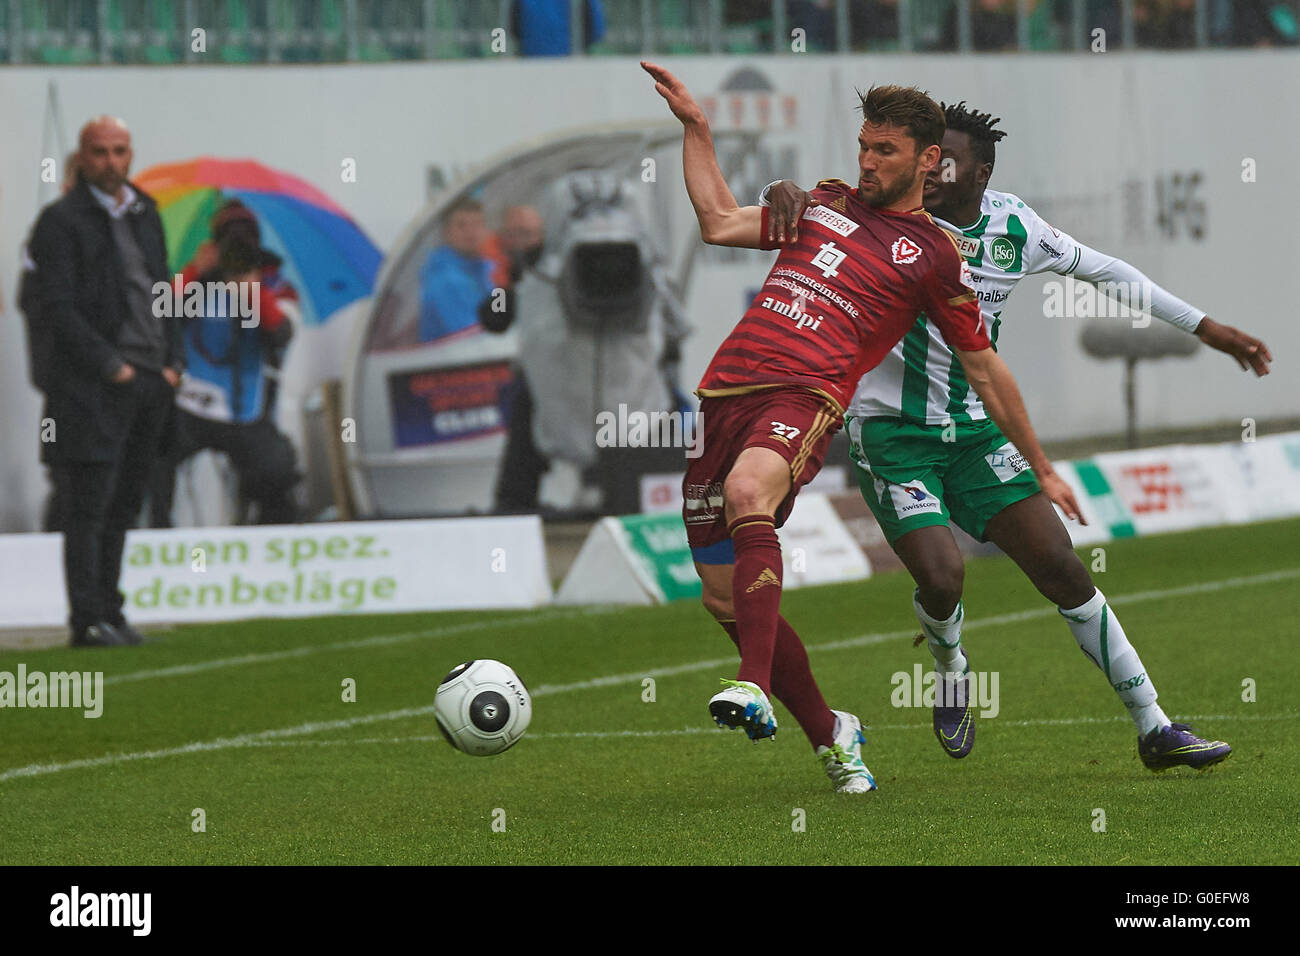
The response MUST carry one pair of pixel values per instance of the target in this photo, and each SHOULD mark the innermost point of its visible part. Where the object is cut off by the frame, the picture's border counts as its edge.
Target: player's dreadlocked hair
(907, 107)
(978, 126)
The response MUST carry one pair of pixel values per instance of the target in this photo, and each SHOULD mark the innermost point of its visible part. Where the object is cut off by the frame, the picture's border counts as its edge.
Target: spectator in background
(874, 24)
(235, 222)
(50, 521)
(108, 366)
(522, 240)
(515, 246)
(1103, 15)
(993, 26)
(541, 27)
(1165, 24)
(817, 19)
(1171, 24)
(456, 277)
(1262, 23)
(228, 397)
(756, 14)
(70, 174)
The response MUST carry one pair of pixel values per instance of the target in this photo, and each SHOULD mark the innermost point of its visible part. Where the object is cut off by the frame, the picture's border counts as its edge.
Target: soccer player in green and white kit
(925, 451)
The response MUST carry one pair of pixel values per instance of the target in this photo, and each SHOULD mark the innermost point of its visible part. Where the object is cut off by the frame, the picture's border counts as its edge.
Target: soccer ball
(482, 708)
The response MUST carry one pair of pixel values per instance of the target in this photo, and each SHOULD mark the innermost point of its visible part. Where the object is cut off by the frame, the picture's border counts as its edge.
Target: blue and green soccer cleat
(743, 704)
(842, 760)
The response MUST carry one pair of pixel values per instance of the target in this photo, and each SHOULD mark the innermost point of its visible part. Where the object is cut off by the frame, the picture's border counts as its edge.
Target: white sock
(1099, 635)
(943, 638)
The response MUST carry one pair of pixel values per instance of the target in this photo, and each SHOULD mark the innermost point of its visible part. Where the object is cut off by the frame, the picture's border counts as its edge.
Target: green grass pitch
(247, 723)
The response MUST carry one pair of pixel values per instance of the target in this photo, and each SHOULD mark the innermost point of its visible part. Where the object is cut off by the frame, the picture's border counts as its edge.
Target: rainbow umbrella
(327, 257)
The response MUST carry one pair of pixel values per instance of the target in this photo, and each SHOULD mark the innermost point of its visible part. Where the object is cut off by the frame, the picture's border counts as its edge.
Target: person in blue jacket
(456, 277)
(542, 26)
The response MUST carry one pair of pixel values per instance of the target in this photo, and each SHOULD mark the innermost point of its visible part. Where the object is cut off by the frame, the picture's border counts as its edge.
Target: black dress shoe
(102, 634)
(127, 633)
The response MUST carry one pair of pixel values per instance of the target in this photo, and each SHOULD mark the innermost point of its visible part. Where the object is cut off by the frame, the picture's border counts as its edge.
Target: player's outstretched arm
(722, 221)
(1098, 267)
(997, 389)
(1251, 354)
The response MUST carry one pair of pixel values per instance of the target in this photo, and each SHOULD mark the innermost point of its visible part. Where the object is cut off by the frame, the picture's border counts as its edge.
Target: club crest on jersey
(905, 251)
(830, 219)
(828, 259)
(1003, 253)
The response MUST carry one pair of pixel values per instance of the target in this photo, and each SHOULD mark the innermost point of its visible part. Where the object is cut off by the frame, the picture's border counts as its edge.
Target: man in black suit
(108, 366)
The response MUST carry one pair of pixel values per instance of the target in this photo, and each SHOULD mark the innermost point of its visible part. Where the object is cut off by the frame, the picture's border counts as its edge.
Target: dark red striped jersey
(841, 297)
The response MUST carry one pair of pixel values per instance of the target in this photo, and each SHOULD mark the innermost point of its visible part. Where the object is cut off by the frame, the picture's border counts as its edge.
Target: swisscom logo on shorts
(1007, 462)
(910, 498)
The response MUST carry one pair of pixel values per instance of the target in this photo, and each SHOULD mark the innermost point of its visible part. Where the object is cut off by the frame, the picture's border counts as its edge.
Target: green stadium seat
(237, 18)
(746, 38)
(161, 30)
(1042, 28)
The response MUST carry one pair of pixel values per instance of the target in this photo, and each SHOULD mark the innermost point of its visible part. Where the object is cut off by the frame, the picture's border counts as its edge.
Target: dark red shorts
(795, 423)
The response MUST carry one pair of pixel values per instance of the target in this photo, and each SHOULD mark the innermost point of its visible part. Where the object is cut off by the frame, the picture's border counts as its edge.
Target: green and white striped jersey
(921, 381)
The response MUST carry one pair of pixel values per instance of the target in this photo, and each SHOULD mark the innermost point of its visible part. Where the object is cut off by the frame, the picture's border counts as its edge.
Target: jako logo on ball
(482, 707)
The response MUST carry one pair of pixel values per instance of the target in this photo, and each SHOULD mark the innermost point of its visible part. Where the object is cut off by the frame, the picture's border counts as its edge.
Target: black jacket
(76, 304)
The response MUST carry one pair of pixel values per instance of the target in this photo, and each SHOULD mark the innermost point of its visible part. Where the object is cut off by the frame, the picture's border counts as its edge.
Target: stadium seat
(57, 39)
(237, 23)
(161, 32)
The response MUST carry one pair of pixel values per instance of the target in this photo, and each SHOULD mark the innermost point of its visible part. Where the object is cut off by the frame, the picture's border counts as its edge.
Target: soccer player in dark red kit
(855, 270)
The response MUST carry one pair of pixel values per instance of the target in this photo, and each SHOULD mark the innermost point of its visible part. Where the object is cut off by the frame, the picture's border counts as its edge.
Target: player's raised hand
(787, 203)
(1059, 493)
(675, 92)
(1249, 351)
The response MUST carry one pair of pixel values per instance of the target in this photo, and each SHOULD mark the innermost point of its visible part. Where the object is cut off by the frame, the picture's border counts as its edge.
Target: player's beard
(902, 186)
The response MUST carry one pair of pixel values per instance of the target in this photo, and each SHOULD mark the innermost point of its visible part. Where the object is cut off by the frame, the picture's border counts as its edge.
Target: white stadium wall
(1090, 137)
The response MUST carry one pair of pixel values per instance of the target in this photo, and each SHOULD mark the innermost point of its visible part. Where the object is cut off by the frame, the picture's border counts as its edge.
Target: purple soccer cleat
(1176, 745)
(954, 720)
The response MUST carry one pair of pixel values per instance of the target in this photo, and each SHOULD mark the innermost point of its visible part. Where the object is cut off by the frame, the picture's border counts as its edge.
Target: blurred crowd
(1164, 24)
(332, 31)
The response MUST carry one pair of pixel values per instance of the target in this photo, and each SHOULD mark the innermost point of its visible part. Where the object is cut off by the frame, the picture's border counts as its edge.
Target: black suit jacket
(76, 303)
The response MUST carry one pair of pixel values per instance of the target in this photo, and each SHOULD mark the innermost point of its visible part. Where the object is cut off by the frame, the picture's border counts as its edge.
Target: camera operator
(224, 401)
(599, 325)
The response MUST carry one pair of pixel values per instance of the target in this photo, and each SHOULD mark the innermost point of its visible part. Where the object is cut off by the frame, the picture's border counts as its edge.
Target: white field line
(255, 738)
(702, 730)
(380, 640)
(220, 743)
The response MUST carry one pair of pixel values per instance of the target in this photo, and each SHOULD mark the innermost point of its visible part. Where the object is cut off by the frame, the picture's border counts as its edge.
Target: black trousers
(98, 502)
(261, 455)
(522, 465)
